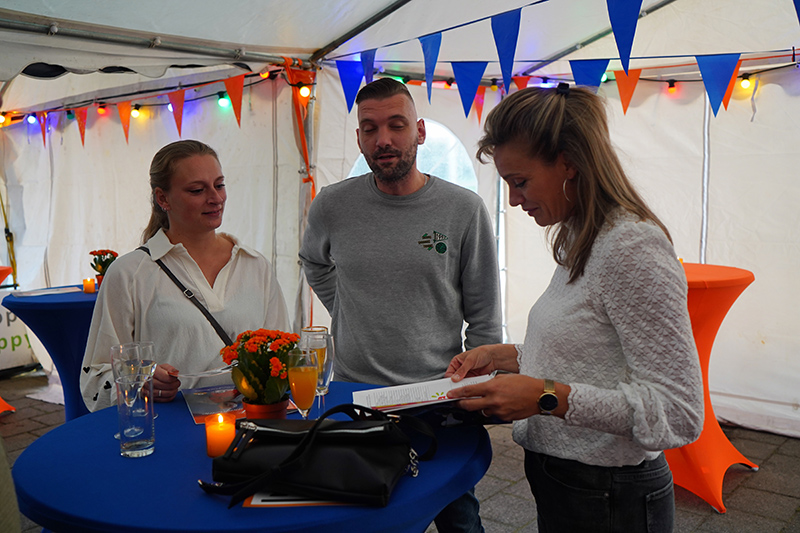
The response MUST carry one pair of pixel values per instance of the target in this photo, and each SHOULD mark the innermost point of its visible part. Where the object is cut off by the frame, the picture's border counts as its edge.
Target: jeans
(573, 497)
(461, 515)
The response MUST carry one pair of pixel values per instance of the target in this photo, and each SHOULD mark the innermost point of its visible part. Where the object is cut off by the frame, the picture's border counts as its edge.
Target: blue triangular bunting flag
(368, 64)
(717, 71)
(588, 72)
(505, 28)
(468, 76)
(430, 52)
(797, 8)
(623, 15)
(351, 74)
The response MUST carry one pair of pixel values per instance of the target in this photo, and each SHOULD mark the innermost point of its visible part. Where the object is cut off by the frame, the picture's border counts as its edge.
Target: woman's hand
(483, 360)
(165, 383)
(507, 396)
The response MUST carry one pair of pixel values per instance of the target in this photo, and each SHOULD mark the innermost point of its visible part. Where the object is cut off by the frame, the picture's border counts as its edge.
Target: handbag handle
(298, 457)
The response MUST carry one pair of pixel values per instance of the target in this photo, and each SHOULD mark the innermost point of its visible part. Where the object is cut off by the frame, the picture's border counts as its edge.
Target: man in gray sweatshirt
(402, 260)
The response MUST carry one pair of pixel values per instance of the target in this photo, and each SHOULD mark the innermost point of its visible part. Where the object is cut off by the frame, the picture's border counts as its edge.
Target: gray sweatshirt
(400, 275)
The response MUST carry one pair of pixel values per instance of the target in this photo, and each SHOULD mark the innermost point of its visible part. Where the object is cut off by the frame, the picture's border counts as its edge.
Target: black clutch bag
(354, 461)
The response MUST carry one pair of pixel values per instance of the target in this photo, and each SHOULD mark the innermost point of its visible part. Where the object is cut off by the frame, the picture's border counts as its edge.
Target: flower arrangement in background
(102, 259)
(260, 373)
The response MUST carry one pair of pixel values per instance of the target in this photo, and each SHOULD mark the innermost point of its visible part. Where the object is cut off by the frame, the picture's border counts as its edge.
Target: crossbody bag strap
(189, 294)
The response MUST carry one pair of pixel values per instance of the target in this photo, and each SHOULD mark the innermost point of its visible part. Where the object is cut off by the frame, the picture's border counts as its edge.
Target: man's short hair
(381, 89)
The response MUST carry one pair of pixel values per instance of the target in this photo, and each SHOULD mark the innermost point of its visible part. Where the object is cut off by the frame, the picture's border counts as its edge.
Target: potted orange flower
(260, 373)
(101, 260)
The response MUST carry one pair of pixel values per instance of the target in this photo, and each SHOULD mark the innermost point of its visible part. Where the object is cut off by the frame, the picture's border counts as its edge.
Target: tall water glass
(126, 359)
(135, 413)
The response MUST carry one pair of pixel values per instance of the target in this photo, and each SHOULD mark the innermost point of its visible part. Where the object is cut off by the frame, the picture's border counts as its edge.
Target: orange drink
(303, 382)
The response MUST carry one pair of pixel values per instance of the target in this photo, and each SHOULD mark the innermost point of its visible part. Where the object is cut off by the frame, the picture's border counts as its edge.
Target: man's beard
(405, 162)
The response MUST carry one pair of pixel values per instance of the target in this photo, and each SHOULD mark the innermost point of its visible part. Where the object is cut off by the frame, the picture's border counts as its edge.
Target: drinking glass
(132, 358)
(303, 372)
(317, 338)
(135, 414)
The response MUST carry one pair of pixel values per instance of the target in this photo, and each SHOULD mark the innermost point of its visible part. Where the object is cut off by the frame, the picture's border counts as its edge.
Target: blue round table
(61, 321)
(73, 479)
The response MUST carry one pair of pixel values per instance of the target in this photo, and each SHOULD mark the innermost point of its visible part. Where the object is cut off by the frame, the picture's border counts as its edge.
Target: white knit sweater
(620, 336)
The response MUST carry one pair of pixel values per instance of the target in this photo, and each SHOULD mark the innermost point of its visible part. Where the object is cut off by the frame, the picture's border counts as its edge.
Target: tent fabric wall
(66, 199)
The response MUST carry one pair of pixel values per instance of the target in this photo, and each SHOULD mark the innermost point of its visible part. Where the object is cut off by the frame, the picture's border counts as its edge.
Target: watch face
(548, 402)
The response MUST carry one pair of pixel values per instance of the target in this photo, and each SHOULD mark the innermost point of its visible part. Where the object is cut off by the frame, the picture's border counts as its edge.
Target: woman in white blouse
(608, 375)
(139, 302)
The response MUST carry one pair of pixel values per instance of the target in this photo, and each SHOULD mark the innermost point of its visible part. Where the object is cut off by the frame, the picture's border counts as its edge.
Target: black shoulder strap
(189, 294)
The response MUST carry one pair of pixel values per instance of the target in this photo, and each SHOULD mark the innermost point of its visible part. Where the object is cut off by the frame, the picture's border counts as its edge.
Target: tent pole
(706, 167)
(65, 30)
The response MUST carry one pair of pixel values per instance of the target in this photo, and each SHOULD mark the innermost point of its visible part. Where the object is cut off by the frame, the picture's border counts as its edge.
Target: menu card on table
(212, 400)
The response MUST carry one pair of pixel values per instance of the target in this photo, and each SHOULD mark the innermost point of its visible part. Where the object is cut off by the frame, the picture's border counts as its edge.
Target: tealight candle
(220, 431)
(88, 285)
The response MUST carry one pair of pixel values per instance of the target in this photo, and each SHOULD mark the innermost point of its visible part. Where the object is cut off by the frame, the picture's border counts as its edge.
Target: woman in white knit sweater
(608, 375)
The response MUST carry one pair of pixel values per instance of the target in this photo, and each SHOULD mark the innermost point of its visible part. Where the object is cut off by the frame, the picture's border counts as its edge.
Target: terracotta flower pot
(99, 280)
(272, 410)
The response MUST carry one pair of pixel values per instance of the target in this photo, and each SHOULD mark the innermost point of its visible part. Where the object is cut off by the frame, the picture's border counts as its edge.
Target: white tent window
(443, 155)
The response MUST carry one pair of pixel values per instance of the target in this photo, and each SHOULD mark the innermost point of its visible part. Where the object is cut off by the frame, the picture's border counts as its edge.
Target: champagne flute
(316, 338)
(303, 379)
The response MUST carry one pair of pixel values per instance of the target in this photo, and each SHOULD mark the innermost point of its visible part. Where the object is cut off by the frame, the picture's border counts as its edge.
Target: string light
(671, 89)
(223, 100)
(169, 107)
(31, 119)
(2, 117)
(135, 111)
(305, 90)
(745, 81)
(604, 77)
(101, 110)
(70, 114)
(493, 86)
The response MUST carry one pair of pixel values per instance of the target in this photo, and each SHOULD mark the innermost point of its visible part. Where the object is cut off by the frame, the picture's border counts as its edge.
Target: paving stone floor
(765, 501)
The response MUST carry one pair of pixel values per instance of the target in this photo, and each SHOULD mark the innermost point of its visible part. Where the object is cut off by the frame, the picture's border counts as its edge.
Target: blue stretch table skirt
(61, 322)
(73, 479)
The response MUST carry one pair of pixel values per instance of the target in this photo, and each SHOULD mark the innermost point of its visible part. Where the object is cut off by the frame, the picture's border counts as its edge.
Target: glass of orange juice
(303, 379)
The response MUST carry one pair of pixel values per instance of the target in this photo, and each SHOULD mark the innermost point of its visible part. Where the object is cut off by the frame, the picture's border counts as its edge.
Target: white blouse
(138, 302)
(620, 336)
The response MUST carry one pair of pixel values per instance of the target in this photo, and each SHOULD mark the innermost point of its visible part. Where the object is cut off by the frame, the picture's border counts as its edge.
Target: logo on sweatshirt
(435, 242)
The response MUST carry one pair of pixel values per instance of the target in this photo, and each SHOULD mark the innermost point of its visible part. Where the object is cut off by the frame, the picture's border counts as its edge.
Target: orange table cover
(4, 272)
(700, 466)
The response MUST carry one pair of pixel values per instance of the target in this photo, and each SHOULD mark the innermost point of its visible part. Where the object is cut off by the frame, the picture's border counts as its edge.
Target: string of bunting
(234, 90)
(718, 71)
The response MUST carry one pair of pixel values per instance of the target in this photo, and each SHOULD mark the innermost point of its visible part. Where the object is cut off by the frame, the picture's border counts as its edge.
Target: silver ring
(159, 393)
(484, 413)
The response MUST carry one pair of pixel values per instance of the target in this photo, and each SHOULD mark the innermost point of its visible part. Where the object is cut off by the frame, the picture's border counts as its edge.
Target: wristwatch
(548, 401)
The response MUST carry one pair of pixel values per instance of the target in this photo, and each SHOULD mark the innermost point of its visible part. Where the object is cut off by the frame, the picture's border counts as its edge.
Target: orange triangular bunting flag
(626, 84)
(80, 116)
(235, 87)
(521, 81)
(176, 98)
(480, 96)
(729, 92)
(41, 116)
(124, 110)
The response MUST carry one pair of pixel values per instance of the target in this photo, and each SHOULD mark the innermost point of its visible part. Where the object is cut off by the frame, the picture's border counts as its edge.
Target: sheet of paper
(44, 292)
(413, 394)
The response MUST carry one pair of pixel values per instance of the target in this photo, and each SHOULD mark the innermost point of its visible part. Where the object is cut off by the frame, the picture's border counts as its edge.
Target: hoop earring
(564, 190)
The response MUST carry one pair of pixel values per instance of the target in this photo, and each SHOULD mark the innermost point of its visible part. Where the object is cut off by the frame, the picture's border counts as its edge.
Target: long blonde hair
(161, 170)
(569, 121)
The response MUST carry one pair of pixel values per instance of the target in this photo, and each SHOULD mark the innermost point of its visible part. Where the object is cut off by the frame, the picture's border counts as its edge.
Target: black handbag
(355, 461)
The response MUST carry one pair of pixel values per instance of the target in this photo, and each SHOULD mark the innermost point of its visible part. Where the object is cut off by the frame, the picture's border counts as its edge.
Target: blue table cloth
(61, 321)
(73, 479)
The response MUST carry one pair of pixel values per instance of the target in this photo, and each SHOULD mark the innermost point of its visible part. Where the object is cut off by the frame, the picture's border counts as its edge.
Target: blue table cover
(61, 322)
(73, 479)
